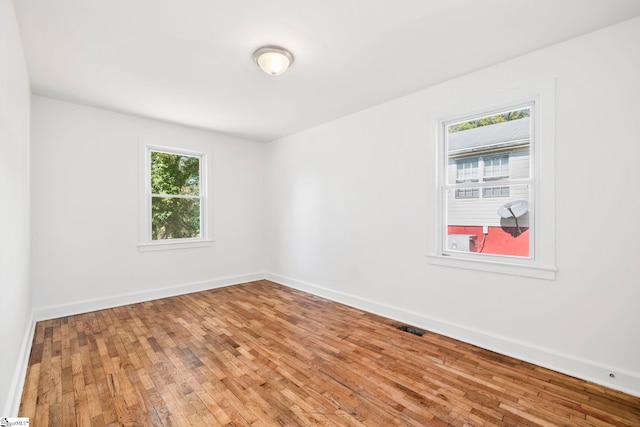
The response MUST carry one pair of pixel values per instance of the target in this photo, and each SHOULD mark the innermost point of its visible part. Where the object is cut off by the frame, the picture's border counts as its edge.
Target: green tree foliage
(490, 120)
(175, 175)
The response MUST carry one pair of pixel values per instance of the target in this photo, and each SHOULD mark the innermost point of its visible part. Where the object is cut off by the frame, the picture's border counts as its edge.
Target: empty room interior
(320, 213)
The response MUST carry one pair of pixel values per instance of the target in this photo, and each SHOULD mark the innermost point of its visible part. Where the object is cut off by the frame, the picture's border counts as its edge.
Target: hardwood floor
(263, 354)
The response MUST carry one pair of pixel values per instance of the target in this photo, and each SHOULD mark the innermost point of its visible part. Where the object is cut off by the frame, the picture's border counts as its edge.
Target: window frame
(541, 263)
(145, 235)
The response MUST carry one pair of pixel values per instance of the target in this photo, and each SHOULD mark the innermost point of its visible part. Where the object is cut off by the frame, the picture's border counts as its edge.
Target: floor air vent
(411, 330)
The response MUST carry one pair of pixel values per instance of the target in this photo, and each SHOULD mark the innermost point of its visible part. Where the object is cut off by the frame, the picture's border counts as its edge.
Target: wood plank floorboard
(260, 354)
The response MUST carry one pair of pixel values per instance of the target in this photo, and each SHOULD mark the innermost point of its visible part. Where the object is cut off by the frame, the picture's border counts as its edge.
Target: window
(467, 170)
(494, 204)
(175, 201)
(495, 182)
(494, 169)
(175, 196)
(495, 192)
(467, 193)
(481, 151)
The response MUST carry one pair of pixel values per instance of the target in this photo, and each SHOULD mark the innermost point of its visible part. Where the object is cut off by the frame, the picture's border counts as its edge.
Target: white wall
(14, 214)
(349, 215)
(85, 211)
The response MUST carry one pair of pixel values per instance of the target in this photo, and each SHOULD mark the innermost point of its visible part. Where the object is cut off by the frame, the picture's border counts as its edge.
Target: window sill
(172, 245)
(534, 271)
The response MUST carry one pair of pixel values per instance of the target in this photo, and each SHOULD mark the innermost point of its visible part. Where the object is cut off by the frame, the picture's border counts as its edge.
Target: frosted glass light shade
(273, 60)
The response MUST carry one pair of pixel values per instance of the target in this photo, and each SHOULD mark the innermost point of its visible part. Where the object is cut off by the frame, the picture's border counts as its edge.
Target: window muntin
(489, 162)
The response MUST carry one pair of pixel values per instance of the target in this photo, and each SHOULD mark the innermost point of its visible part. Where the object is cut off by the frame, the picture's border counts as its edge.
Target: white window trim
(146, 244)
(541, 264)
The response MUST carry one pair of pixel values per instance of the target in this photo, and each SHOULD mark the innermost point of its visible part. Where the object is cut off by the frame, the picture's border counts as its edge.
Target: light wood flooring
(261, 354)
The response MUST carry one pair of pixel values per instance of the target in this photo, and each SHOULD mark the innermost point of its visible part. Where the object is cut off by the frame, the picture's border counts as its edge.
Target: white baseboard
(12, 405)
(53, 312)
(622, 380)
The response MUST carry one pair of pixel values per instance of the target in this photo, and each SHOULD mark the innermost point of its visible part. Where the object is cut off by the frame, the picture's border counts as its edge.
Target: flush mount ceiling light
(273, 60)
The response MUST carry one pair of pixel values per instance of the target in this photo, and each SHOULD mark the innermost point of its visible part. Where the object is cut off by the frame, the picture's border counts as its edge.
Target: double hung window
(175, 195)
(495, 184)
(175, 202)
(489, 162)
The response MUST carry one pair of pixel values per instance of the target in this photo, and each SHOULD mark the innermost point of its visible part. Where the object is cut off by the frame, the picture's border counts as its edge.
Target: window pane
(175, 218)
(504, 217)
(496, 167)
(495, 191)
(175, 174)
(467, 170)
(467, 193)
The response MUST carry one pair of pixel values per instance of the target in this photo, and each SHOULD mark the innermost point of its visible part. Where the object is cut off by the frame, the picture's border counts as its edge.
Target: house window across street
(493, 169)
(494, 204)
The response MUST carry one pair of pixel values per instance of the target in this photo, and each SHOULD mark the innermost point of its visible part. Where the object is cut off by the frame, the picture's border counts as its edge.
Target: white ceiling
(189, 61)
